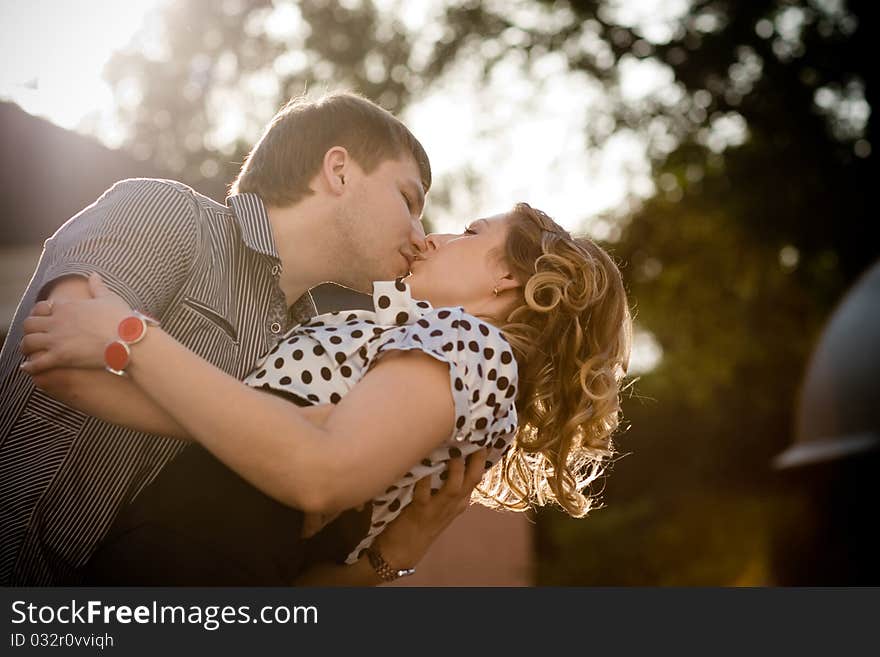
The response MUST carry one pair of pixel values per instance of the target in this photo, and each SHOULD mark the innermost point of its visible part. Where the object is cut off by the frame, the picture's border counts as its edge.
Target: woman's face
(462, 269)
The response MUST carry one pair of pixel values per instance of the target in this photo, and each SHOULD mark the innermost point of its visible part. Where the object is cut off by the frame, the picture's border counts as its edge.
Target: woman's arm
(369, 440)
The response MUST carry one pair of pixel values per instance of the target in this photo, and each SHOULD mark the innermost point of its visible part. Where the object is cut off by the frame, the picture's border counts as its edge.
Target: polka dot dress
(322, 359)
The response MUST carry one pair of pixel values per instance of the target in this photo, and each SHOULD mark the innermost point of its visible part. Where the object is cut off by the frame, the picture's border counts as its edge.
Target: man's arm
(407, 539)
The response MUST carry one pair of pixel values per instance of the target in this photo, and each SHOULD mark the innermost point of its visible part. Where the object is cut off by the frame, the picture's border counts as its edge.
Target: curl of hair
(571, 334)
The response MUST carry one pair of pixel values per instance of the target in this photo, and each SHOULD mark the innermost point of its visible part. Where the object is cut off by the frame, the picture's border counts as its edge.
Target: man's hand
(407, 539)
(61, 333)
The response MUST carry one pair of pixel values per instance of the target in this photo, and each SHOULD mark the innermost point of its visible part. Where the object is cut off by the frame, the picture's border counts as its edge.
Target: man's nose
(417, 237)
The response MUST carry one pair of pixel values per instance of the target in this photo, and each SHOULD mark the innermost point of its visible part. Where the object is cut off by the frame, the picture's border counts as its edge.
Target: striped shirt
(210, 274)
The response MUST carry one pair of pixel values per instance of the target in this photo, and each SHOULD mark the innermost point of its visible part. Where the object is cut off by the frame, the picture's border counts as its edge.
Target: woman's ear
(334, 169)
(507, 282)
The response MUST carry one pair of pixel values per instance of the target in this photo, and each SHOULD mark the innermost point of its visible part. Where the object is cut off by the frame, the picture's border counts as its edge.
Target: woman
(517, 344)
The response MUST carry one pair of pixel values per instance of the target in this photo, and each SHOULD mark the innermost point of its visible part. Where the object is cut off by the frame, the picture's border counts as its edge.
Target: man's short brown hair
(291, 151)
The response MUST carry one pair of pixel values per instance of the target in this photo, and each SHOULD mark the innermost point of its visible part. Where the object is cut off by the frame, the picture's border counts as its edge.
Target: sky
(523, 137)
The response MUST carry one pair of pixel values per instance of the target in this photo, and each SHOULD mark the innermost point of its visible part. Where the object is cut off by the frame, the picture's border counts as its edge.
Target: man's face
(381, 222)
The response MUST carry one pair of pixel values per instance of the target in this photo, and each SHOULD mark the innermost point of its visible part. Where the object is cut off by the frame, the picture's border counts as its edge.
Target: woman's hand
(72, 334)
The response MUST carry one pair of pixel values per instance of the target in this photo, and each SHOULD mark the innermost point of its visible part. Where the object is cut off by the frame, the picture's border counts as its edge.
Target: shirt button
(275, 327)
(276, 270)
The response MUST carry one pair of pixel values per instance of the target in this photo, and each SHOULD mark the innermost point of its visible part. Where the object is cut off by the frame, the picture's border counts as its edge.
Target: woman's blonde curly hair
(571, 332)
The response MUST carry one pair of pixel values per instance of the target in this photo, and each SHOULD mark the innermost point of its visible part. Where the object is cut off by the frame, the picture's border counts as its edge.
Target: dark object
(833, 466)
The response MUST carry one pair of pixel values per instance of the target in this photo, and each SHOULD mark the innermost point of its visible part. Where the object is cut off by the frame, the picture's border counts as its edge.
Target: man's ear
(335, 168)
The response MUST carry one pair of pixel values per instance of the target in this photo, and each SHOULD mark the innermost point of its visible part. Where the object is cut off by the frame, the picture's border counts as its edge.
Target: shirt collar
(256, 231)
(394, 305)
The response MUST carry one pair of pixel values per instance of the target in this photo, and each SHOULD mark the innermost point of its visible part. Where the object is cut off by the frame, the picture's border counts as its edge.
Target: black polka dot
(434, 491)
(335, 398)
(261, 374)
(331, 328)
(394, 506)
(335, 339)
(279, 363)
(313, 398)
(488, 465)
(285, 380)
(479, 370)
(490, 400)
(458, 384)
(506, 357)
(482, 441)
(488, 352)
(443, 314)
(351, 317)
(511, 391)
(459, 423)
(448, 346)
(380, 523)
(317, 323)
(318, 350)
(499, 443)
(461, 345)
(326, 374)
(417, 338)
(454, 452)
(391, 489)
(427, 463)
(473, 346)
(444, 475)
(466, 325)
(436, 333)
(357, 333)
(492, 375)
(380, 502)
(378, 331)
(345, 371)
(476, 397)
(400, 285)
(362, 352)
(297, 355)
(454, 323)
(422, 304)
(383, 302)
(306, 376)
(502, 383)
(339, 357)
(424, 323)
(293, 340)
(481, 423)
(484, 330)
(402, 317)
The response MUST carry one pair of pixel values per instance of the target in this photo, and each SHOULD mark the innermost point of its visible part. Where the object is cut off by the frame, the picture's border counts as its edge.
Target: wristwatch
(130, 330)
(383, 570)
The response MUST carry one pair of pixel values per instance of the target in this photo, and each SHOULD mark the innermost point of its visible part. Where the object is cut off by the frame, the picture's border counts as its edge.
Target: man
(333, 191)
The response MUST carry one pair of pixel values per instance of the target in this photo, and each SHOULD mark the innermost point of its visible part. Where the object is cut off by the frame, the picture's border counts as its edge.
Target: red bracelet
(130, 330)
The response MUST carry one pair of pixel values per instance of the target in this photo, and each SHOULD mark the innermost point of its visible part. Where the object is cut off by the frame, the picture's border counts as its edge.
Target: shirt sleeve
(482, 370)
(141, 236)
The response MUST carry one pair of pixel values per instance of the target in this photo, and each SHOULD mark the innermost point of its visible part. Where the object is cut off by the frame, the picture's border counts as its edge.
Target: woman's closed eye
(469, 231)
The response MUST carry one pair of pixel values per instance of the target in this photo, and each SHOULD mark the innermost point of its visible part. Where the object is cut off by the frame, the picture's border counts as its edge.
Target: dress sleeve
(141, 236)
(482, 370)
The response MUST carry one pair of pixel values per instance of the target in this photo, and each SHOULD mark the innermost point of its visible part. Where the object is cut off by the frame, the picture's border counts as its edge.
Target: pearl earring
(495, 290)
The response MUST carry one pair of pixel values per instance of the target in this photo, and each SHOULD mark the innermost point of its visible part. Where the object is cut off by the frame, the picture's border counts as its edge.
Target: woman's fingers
(40, 363)
(42, 308)
(34, 342)
(36, 324)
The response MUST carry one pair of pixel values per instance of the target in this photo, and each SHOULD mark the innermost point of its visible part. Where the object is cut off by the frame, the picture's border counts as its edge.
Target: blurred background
(721, 150)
